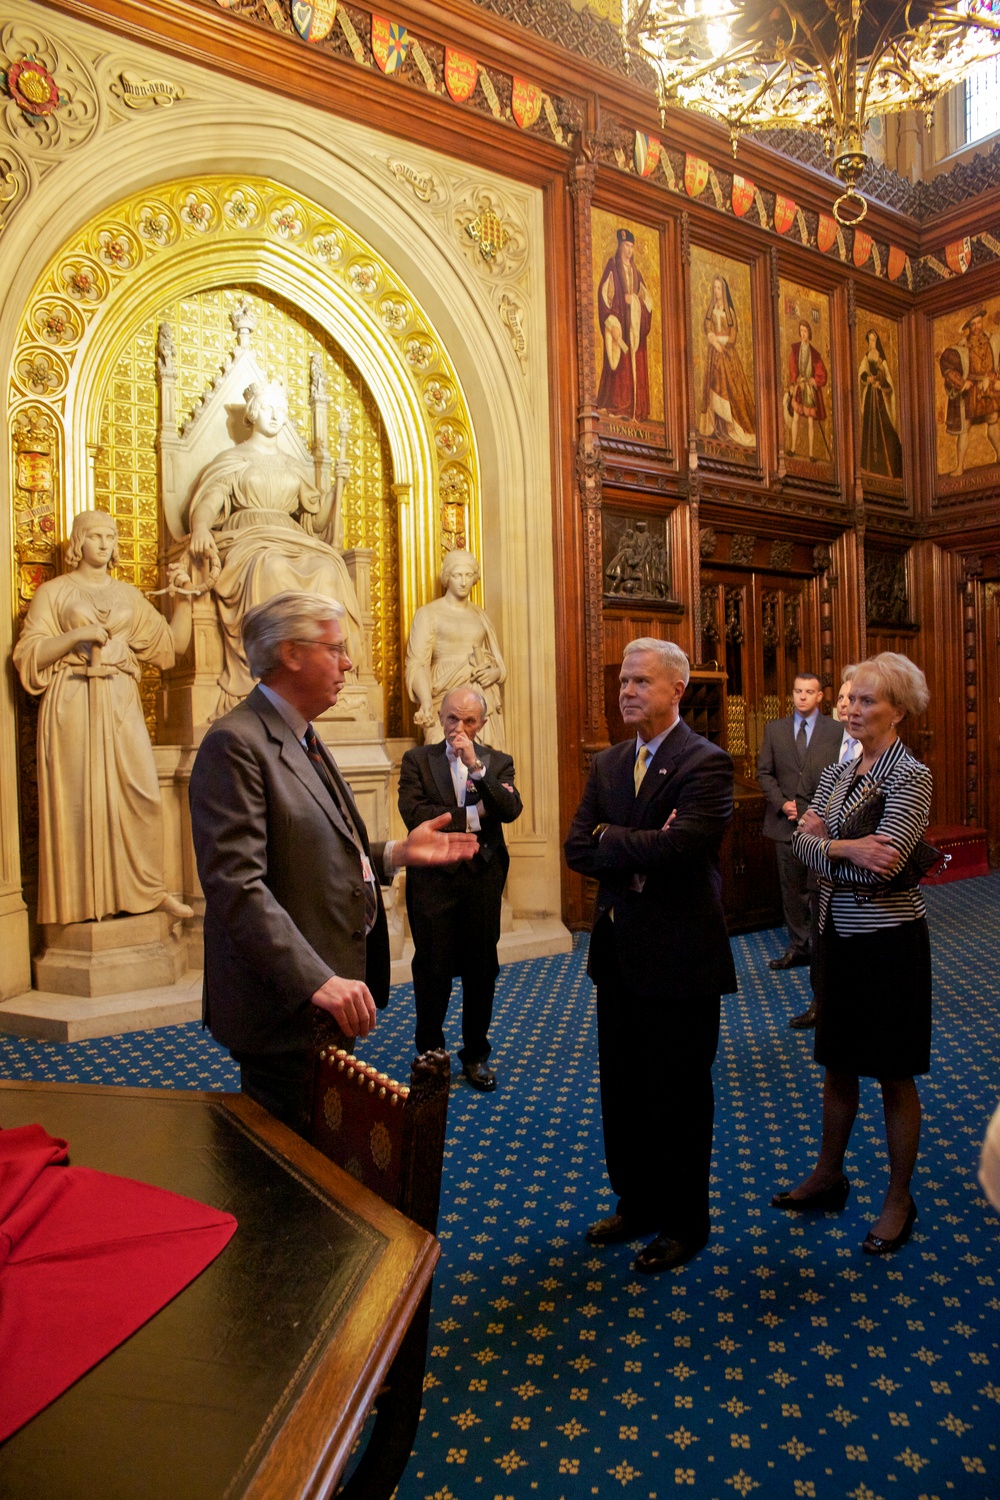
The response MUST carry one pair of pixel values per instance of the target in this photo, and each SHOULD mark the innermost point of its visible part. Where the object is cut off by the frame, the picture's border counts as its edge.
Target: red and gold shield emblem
(897, 262)
(743, 191)
(826, 232)
(525, 102)
(461, 73)
(862, 248)
(34, 471)
(695, 175)
(784, 214)
(314, 21)
(646, 153)
(390, 44)
(959, 255)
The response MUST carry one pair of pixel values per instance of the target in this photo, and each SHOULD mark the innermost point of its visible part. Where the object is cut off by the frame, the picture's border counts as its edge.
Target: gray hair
(456, 559)
(672, 658)
(847, 675)
(899, 679)
(473, 692)
(81, 525)
(291, 616)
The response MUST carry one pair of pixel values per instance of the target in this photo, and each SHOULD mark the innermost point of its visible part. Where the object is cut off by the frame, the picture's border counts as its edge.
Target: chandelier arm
(875, 60)
(826, 64)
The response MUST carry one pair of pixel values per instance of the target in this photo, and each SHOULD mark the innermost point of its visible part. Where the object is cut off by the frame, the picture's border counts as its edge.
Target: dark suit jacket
(781, 777)
(284, 895)
(670, 937)
(426, 790)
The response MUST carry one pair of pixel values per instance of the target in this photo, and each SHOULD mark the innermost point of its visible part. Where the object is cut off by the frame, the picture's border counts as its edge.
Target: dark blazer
(670, 936)
(426, 790)
(284, 895)
(782, 779)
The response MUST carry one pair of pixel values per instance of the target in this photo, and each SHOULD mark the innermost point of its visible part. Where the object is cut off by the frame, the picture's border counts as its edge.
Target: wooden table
(256, 1379)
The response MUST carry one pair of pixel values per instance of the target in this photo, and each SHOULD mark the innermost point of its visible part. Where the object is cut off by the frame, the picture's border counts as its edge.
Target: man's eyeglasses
(335, 648)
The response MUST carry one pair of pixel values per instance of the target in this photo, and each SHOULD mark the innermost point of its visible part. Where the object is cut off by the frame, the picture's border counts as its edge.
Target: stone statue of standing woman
(453, 644)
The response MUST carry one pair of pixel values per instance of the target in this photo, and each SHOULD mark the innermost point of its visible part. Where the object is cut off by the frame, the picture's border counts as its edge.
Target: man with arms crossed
(295, 932)
(455, 913)
(793, 753)
(648, 829)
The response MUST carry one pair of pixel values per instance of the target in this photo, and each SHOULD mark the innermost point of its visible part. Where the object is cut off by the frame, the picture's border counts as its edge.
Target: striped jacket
(907, 785)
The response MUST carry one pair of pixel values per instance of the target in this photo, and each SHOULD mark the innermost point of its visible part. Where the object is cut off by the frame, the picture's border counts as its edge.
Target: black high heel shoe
(829, 1200)
(874, 1244)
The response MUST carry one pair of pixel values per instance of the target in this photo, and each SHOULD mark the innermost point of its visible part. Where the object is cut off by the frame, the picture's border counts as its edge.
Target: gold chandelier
(823, 65)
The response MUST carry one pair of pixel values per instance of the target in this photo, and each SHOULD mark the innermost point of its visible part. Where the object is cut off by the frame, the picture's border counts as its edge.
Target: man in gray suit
(296, 946)
(793, 753)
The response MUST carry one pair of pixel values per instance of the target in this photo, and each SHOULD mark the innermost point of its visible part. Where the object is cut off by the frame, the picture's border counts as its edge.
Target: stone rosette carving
(53, 81)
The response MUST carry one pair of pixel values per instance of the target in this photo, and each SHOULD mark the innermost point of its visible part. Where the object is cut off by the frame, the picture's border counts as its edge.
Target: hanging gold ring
(858, 209)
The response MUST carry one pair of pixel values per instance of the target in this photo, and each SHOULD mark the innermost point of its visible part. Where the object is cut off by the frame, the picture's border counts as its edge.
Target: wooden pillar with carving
(589, 461)
(972, 570)
(823, 563)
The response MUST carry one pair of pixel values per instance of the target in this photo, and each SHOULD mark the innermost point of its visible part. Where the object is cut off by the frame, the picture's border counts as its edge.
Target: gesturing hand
(427, 845)
(349, 1002)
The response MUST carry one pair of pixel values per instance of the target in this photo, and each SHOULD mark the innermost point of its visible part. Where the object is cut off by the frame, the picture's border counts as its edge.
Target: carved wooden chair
(390, 1137)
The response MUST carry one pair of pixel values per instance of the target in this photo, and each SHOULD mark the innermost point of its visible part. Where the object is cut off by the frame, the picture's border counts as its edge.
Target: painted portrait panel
(967, 400)
(725, 400)
(804, 369)
(629, 329)
(878, 377)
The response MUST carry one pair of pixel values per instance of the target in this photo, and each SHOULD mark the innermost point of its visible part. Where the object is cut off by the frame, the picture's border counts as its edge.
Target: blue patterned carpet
(781, 1362)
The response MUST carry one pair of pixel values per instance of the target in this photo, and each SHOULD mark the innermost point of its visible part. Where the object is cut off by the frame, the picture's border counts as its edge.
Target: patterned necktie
(318, 759)
(847, 753)
(642, 761)
(802, 741)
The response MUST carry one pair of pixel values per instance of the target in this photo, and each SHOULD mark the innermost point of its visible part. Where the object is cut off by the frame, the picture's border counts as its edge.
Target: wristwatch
(477, 766)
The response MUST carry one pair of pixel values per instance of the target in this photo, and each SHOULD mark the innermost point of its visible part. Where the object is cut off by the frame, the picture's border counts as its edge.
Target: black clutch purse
(862, 818)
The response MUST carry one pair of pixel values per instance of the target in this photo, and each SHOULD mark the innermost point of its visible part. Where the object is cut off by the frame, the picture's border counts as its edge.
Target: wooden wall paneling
(576, 461)
(990, 738)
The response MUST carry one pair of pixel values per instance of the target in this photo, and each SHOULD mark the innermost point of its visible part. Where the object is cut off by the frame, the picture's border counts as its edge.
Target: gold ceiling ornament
(822, 65)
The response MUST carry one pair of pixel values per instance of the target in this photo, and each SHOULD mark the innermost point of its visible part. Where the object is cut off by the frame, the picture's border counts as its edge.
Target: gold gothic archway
(74, 393)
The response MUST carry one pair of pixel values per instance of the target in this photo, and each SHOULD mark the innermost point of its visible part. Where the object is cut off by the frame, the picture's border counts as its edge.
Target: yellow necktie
(642, 760)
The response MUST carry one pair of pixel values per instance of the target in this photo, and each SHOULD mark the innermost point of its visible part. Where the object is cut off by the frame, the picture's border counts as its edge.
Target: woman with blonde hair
(874, 1005)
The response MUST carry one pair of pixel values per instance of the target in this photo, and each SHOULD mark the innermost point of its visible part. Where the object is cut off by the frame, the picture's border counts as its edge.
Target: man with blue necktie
(793, 753)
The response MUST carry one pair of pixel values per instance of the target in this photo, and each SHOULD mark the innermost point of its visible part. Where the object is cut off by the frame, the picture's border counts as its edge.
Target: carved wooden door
(763, 628)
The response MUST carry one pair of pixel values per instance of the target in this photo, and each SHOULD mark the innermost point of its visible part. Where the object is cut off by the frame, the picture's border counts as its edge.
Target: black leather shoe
(789, 960)
(806, 1019)
(663, 1254)
(480, 1076)
(831, 1200)
(873, 1244)
(615, 1230)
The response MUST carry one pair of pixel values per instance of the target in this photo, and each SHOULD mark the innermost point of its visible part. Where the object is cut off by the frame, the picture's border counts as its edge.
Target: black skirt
(873, 1001)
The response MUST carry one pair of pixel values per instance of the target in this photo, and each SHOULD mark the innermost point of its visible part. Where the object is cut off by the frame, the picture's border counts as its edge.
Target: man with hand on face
(455, 913)
(649, 829)
(793, 753)
(295, 932)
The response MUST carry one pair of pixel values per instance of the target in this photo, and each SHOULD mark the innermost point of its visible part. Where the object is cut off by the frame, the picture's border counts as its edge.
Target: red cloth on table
(85, 1260)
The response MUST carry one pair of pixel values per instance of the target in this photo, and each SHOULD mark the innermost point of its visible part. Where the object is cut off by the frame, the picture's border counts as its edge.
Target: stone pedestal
(111, 957)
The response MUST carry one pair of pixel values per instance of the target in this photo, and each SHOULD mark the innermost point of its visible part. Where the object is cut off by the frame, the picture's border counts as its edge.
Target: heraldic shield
(646, 153)
(897, 262)
(695, 175)
(461, 74)
(314, 21)
(390, 44)
(862, 248)
(784, 214)
(826, 232)
(959, 255)
(743, 191)
(525, 102)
